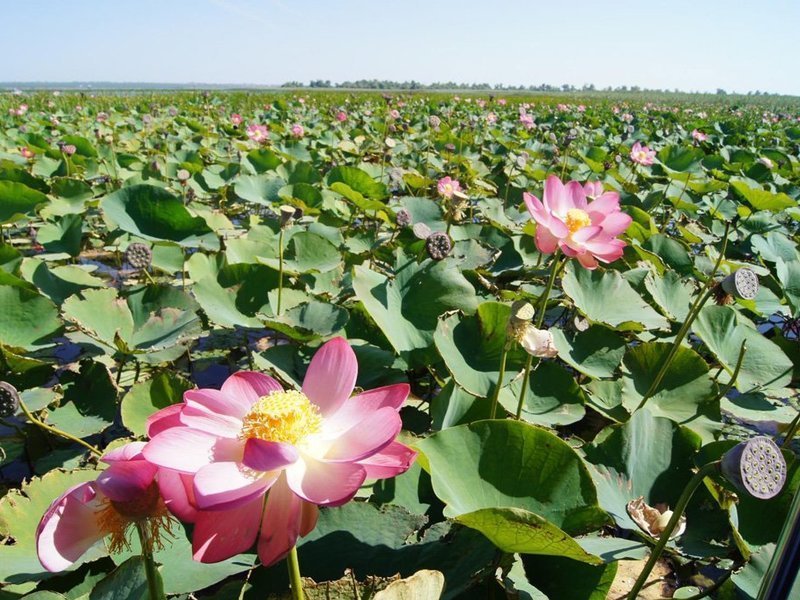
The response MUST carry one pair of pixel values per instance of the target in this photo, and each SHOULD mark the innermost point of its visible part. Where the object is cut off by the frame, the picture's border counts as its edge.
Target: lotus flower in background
(229, 448)
(123, 495)
(642, 155)
(297, 130)
(258, 133)
(341, 116)
(585, 230)
(699, 136)
(236, 119)
(447, 187)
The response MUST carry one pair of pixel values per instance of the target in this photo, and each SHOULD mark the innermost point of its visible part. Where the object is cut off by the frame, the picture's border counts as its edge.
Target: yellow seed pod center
(577, 219)
(285, 417)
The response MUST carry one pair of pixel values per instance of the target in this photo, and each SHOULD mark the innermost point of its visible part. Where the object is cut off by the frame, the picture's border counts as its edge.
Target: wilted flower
(582, 230)
(403, 218)
(307, 448)
(538, 342)
(652, 520)
(123, 495)
(642, 155)
(258, 133)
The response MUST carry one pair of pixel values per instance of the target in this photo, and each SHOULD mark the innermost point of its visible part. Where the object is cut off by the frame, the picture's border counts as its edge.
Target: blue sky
(688, 44)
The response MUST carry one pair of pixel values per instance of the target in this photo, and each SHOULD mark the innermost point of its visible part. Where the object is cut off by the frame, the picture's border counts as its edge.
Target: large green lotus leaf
(305, 252)
(517, 530)
(672, 252)
(681, 158)
(20, 512)
(453, 406)
(153, 213)
(11, 172)
(101, 313)
(565, 579)
(774, 245)
(261, 160)
(58, 282)
(64, 235)
(648, 456)
(309, 320)
(553, 396)
(127, 582)
(90, 401)
(220, 304)
(407, 307)
(596, 352)
(147, 397)
(723, 330)
(18, 200)
(259, 189)
(672, 295)
(358, 181)
(789, 276)
(606, 297)
(163, 316)
(27, 319)
(685, 389)
(472, 346)
(762, 199)
(511, 464)
(748, 579)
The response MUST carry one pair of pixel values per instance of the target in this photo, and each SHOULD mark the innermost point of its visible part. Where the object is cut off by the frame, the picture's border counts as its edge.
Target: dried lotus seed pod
(138, 255)
(438, 245)
(9, 399)
(756, 467)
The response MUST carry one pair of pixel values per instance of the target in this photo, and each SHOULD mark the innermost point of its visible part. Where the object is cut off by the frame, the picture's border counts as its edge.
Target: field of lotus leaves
(411, 346)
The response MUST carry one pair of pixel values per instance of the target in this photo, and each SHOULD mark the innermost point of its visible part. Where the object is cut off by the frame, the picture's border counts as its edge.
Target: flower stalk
(683, 501)
(155, 587)
(295, 579)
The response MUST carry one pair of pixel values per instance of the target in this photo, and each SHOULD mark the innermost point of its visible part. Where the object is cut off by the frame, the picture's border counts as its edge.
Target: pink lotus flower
(395, 114)
(699, 136)
(297, 130)
(236, 119)
(102, 117)
(501, 101)
(449, 187)
(642, 155)
(583, 230)
(491, 118)
(341, 116)
(258, 133)
(527, 121)
(69, 149)
(26, 152)
(308, 448)
(124, 494)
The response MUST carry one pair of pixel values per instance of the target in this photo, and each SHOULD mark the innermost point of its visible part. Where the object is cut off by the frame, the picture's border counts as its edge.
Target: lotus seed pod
(287, 214)
(183, 175)
(756, 467)
(438, 245)
(139, 255)
(421, 230)
(743, 284)
(9, 399)
(403, 218)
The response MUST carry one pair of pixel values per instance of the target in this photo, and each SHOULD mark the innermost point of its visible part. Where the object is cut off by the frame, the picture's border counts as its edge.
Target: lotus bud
(138, 255)
(438, 245)
(183, 176)
(755, 467)
(287, 215)
(9, 399)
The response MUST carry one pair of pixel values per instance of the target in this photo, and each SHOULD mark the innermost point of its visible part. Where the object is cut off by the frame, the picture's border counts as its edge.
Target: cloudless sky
(688, 44)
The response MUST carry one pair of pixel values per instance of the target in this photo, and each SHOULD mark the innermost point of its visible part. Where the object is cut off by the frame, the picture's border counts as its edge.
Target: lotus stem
(155, 588)
(500, 376)
(555, 269)
(687, 324)
(56, 431)
(280, 270)
(294, 575)
(686, 495)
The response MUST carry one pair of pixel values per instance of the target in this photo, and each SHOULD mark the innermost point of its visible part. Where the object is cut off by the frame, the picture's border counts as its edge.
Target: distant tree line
(384, 84)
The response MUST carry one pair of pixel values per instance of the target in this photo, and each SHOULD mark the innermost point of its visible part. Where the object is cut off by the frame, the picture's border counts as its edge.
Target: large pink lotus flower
(581, 229)
(308, 448)
(258, 133)
(642, 155)
(123, 495)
